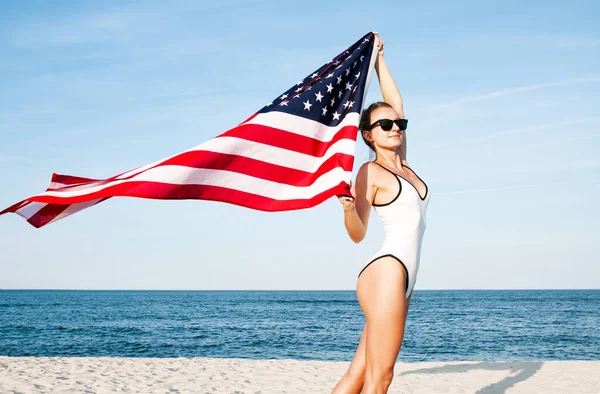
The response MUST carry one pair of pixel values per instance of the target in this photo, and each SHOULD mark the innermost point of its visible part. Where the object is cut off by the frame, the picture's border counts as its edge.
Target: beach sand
(209, 375)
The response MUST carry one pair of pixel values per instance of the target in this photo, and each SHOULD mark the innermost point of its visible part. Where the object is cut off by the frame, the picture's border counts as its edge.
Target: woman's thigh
(381, 294)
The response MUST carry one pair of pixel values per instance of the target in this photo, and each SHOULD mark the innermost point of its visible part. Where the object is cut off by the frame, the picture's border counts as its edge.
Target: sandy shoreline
(206, 375)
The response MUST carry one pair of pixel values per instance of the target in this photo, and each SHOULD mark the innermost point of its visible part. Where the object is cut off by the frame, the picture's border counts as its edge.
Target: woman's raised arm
(389, 88)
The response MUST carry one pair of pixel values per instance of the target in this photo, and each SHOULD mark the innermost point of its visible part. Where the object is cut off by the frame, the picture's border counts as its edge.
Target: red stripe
(194, 159)
(269, 136)
(256, 133)
(260, 169)
(146, 189)
(286, 140)
(261, 134)
(249, 119)
(70, 179)
(163, 191)
(46, 214)
(13, 208)
(211, 160)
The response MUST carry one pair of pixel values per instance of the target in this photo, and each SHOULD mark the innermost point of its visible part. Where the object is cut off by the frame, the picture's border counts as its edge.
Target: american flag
(294, 153)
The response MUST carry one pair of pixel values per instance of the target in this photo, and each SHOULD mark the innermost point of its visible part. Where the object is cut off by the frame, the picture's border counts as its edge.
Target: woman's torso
(403, 214)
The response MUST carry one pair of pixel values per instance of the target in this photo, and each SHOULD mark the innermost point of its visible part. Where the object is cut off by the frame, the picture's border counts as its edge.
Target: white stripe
(302, 126)
(275, 155)
(283, 121)
(228, 145)
(177, 175)
(369, 75)
(56, 185)
(30, 209)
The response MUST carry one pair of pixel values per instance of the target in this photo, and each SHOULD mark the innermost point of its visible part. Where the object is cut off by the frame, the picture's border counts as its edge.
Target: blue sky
(502, 98)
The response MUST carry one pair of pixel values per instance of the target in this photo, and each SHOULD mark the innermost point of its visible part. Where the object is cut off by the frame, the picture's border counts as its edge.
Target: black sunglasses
(387, 124)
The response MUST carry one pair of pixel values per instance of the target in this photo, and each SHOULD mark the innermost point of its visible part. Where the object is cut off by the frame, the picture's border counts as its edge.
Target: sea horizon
(442, 325)
(305, 290)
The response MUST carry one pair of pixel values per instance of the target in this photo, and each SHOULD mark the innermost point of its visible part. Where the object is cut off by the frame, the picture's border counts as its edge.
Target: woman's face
(391, 139)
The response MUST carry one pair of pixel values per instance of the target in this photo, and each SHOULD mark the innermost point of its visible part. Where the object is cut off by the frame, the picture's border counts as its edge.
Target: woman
(400, 198)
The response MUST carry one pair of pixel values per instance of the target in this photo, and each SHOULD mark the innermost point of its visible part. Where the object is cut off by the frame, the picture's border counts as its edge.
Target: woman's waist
(403, 235)
(404, 228)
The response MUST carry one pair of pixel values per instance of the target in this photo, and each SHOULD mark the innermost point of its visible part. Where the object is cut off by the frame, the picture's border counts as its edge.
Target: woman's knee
(380, 377)
(356, 375)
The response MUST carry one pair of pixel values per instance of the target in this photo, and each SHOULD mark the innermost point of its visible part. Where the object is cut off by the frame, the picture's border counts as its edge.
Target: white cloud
(521, 130)
(520, 89)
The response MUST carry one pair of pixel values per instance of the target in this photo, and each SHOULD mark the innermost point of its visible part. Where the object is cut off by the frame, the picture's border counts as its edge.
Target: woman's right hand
(379, 44)
(348, 201)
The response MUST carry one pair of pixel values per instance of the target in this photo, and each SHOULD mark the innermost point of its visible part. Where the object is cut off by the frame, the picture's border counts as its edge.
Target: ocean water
(306, 325)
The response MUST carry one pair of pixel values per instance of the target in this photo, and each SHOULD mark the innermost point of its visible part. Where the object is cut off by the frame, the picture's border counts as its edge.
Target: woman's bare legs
(353, 380)
(381, 294)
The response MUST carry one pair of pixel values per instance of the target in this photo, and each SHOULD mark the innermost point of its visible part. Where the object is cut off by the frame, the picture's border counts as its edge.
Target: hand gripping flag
(294, 153)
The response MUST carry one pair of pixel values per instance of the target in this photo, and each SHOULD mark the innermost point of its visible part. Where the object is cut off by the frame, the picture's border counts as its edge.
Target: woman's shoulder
(369, 168)
(371, 173)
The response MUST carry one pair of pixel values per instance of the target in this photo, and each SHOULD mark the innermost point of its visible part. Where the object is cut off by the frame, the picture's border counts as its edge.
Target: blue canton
(331, 92)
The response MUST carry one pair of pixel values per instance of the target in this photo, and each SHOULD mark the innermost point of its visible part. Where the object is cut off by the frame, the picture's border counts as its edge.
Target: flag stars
(332, 97)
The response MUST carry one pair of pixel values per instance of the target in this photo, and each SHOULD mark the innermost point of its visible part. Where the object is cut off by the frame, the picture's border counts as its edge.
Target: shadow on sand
(523, 370)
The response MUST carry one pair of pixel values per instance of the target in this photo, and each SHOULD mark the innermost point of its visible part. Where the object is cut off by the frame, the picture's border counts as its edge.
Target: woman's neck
(389, 158)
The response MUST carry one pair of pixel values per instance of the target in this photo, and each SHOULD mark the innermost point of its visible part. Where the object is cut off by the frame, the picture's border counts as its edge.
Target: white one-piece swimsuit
(404, 224)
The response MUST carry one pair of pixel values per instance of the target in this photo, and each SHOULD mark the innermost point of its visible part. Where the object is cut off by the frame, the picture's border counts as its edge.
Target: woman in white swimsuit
(400, 199)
